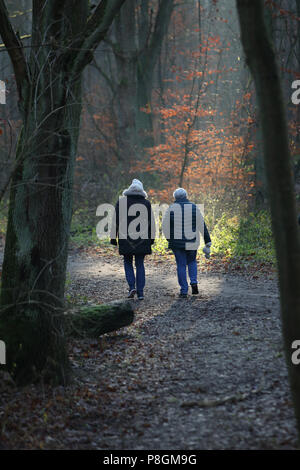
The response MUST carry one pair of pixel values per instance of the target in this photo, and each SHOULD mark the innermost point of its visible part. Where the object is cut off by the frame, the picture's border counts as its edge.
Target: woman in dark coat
(134, 227)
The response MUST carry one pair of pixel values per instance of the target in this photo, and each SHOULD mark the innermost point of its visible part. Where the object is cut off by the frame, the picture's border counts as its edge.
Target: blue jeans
(139, 282)
(186, 258)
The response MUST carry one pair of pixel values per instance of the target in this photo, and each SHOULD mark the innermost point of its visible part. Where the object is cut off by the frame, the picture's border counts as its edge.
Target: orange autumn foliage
(213, 156)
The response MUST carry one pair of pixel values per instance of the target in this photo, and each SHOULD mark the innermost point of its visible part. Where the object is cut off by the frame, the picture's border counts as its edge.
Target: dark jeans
(139, 280)
(186, 258)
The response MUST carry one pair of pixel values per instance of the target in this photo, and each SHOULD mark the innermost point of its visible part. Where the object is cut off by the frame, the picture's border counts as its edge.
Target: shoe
(140, 296)
(131, 294)
(195, 290)
(182, 296)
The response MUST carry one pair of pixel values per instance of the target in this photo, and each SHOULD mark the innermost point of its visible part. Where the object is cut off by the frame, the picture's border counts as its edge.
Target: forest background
(173, 104)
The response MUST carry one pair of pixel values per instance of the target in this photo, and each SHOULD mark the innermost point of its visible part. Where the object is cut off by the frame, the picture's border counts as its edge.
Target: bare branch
(95, 31)
(14, 46)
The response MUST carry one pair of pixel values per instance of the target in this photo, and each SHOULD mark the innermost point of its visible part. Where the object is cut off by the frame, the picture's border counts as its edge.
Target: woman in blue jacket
(182, 225)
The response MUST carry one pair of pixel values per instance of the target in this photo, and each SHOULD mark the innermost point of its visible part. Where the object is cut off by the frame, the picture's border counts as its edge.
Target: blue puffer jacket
(180, 225)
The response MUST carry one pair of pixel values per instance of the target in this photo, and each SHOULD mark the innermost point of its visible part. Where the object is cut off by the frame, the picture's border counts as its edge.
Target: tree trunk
(34, 267)
(96, 320)
(40, 213)
(125, 57)
(136, 56)
(278, 163)
(146, 63)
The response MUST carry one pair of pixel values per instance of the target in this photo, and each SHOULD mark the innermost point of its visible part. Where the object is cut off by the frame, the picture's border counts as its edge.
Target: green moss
(160, 246)
(244, 236)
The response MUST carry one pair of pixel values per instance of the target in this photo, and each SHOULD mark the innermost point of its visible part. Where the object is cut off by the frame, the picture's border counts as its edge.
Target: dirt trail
(206, 372)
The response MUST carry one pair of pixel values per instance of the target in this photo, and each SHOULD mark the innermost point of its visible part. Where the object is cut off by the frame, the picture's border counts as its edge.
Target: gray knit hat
(135, 189)
(180, 193)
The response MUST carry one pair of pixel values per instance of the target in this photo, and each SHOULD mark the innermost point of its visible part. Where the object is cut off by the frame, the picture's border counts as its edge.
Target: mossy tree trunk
(278, 163)
(34, 267)
(96, 320)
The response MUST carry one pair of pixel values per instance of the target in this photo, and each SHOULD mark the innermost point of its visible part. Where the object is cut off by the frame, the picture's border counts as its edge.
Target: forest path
(206, 372)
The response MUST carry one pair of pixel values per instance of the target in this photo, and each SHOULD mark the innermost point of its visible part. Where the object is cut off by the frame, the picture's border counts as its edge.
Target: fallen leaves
(177, 356)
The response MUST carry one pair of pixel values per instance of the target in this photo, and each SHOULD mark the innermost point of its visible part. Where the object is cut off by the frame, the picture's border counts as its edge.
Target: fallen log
(95, 320)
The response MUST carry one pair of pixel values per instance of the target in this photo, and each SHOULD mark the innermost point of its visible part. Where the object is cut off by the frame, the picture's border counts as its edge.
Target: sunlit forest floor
(206, 372)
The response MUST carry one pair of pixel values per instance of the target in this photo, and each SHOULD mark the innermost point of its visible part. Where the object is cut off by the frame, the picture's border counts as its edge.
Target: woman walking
(182, 225)
(133, 229)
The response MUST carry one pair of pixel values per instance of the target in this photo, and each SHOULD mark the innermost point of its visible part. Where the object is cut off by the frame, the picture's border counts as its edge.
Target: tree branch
(95, 31)
(14, 47)
(104, 75)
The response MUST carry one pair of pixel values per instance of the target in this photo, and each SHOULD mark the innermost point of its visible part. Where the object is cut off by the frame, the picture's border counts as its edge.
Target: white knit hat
(135, 189)
(180, 193)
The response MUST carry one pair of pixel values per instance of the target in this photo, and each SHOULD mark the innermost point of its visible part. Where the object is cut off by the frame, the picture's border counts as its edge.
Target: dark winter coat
(127, 245)
(178, 225)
